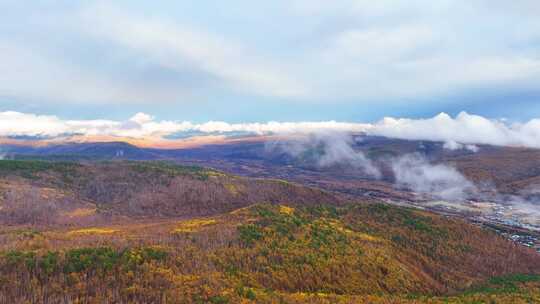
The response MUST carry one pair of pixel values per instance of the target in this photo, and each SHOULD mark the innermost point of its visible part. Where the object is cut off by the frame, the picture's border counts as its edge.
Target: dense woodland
(47, 193)
(153, 232)
(270, 254)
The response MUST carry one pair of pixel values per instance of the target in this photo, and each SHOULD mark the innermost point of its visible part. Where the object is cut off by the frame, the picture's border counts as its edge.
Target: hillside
(367, 253)
(82, 151)
(50, 193)
(158, 232)
(509, 170)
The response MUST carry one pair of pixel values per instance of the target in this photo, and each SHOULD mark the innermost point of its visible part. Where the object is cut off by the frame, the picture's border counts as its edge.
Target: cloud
(381, 45)
(352, 51)
(111, 54)
(326, 149)
(141, 118)
(410, 171)
(464, 131)
(453, 146)
(21, 124)
(464, 128)
(524, 205)
(143, 125)
(29, 75)
(173, 46)
(392, 51)
(415, 172)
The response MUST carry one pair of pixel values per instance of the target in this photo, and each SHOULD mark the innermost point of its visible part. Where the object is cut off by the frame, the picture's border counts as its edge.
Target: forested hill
(48, 193)
(369, 253)
(157, 232)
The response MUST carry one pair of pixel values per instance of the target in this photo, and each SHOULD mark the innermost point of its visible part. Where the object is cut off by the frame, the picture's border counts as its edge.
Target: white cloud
(415, 172)
(141, 118)
(453, 145)
(382, 50)
(20, 124)
(143, 125)
(381, 45)
(367, 8)
(326, 148)
(174, 45)
(464, 131)
(281, 127)
(33, 74)
(464, 128)
(304, 50)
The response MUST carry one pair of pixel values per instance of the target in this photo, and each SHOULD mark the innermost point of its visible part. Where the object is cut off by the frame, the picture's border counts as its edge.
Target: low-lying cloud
(410, 171)
(414, 172)
(524, 205)
(464, 131)
(453, 146)
(326, 149)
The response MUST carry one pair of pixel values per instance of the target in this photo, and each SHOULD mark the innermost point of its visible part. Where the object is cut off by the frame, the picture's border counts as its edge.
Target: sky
(311, 61)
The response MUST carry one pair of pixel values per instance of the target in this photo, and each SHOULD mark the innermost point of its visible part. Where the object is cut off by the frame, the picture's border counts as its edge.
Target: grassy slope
(272, 254)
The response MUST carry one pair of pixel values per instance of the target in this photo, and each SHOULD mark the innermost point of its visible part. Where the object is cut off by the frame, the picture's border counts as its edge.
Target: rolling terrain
(506, 169)
(40, 192)
(367, 253)
(496, 185)
(157, 232)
